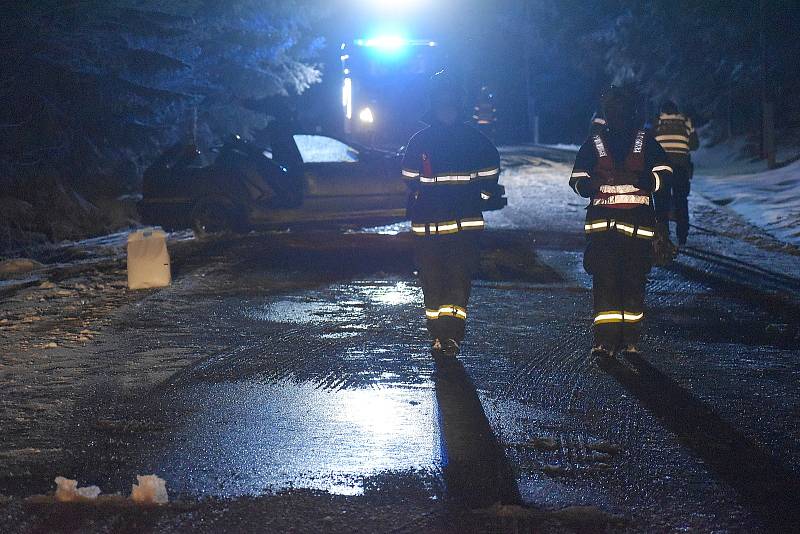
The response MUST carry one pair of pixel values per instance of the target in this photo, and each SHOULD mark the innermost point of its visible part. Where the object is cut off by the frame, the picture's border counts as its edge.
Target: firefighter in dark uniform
(620, 170)
(484, 114)
(452, 172)
(677, 136)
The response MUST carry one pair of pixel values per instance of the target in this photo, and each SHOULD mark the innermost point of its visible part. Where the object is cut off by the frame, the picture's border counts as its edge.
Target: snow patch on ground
(769, 199)
(68, 491)
(726, 158)
(735, 157)
(150, 490)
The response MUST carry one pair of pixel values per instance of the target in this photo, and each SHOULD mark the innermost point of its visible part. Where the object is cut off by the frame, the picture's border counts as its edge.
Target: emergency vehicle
(383, 87)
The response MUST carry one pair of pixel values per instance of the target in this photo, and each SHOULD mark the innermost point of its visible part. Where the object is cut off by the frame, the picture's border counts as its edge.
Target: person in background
(619, 169)
(678, 137)
(484, 114)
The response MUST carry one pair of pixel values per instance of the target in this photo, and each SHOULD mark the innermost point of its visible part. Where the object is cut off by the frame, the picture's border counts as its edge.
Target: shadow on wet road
(766, 486)
(476, 471)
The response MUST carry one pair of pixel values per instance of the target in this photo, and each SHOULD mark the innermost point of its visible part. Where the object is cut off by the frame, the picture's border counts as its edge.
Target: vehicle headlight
(365, 115)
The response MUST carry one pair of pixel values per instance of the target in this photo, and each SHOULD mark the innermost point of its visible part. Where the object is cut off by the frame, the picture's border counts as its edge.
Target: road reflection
(245, 438)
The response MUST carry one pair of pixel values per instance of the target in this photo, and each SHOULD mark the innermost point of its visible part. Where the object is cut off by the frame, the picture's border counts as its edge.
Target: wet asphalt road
(300, 361)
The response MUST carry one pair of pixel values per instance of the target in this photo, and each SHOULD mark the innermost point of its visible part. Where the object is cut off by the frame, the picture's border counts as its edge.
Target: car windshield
(322, 149)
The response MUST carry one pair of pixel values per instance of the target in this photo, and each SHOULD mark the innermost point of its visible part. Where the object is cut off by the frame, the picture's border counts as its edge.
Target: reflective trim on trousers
(615, 316)
(447, 310)
(447, 227)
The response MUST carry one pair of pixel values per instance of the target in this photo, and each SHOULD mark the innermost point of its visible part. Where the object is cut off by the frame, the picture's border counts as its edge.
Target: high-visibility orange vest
(619, 190)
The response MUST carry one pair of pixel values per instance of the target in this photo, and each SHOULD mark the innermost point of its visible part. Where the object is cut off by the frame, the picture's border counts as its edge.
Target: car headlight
(365, 115)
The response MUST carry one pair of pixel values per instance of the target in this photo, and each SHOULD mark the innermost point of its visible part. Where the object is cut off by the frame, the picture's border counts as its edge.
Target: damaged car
(302, 179)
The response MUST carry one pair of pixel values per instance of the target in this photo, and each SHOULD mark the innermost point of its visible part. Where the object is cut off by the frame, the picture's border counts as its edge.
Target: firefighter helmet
(668, 106)
(621, 106)
(446, 86)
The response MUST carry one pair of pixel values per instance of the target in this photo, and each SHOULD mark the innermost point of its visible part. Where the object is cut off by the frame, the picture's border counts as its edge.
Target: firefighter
(619, 170)
(484, 114)
(677, 136)
(452, 172)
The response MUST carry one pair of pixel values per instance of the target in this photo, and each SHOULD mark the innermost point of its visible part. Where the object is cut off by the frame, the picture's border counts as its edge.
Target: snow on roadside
(562, 146)
(768, 199)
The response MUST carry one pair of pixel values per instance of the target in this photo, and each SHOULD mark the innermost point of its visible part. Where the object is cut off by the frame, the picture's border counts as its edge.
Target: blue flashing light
(393, 42)
(386, 46)
(387, 42)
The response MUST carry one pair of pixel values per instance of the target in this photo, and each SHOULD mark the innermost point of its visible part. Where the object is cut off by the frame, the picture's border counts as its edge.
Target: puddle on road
(389, 229)
(306, 310)
(297, 311)
(394, 295)
(247, 438)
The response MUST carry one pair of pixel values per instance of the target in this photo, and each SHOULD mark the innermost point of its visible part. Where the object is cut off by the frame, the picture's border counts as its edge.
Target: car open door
(341, 179)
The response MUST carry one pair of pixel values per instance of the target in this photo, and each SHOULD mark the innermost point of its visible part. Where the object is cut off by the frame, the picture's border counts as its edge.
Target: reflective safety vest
(674, 132)
(619, 191)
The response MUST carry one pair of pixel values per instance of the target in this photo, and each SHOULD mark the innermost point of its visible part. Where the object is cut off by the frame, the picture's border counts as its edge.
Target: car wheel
(213, 215)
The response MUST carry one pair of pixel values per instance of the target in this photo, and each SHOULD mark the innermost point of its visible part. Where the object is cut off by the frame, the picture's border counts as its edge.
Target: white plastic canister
(148, 259)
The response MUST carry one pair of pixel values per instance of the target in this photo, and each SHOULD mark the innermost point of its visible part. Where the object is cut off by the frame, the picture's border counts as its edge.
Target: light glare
(366, 116)
(347, 98)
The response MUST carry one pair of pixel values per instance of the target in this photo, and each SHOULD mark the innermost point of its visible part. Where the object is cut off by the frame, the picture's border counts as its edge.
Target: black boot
(601, 351)
(450, 348)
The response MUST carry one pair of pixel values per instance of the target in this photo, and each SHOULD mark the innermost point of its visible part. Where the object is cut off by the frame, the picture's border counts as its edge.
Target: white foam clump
(68, 491)
(150, 490)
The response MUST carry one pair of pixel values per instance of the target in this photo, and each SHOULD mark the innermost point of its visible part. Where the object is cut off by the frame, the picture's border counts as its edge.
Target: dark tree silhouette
(98, 87)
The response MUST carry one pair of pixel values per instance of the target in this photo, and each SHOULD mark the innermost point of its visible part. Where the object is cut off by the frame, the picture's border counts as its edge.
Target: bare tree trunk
(767, 106)
(533, 117)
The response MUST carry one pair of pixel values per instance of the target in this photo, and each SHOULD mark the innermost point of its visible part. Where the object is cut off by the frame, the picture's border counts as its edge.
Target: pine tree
(99, 87)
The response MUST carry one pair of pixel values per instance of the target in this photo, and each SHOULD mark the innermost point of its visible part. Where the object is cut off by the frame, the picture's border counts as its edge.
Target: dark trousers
(619, 266)
(680, 186)
(446, 266)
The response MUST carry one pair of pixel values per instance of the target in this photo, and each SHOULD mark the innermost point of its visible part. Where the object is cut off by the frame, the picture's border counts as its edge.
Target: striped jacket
(676, 134)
